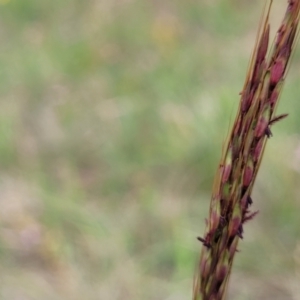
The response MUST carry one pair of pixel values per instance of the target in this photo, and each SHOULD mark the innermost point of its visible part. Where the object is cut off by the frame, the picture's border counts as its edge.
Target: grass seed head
(231, 198)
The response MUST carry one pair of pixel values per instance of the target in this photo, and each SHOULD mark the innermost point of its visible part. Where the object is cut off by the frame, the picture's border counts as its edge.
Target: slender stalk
(236, 174)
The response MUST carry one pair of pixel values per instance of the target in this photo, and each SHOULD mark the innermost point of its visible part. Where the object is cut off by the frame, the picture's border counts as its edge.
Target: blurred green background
(112, 119)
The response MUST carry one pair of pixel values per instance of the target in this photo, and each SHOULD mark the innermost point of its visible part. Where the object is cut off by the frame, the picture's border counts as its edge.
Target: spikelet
(231, 196)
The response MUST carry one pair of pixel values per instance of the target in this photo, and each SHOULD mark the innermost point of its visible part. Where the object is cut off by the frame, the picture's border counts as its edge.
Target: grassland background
(112, 118)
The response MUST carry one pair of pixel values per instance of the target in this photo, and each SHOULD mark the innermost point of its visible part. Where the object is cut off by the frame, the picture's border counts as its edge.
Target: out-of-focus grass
(112, 118)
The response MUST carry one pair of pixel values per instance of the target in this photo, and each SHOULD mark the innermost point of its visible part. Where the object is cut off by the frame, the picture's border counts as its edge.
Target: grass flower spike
(231, 195)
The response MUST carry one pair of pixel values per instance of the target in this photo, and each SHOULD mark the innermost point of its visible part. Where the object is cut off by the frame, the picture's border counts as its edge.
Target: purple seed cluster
(231, 197)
